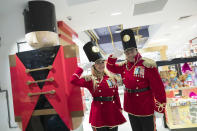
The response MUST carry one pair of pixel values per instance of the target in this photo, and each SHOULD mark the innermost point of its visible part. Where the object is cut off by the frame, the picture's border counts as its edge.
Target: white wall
(83, 39)
(11, 31)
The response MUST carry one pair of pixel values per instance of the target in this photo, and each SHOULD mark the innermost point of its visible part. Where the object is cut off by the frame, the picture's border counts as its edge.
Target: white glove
(158, 115)
(117, 53)
(87, 66)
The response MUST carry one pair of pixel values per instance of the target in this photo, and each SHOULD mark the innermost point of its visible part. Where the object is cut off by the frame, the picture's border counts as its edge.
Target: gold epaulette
(122, 63)
(149, 63)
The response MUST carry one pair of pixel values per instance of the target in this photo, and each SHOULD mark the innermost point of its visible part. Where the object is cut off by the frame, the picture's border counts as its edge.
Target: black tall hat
(128, 39)
(92, 51)
(40, 16)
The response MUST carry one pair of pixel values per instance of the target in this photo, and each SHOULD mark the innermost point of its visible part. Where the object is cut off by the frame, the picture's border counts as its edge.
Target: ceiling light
(184, 17)
(117, 31)
(116, 13)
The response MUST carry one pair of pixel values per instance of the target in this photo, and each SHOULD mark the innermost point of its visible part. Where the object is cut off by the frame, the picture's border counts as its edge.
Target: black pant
(105, 129)
(142, 123)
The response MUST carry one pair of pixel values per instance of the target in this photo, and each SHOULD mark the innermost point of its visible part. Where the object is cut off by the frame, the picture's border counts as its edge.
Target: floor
(125, 126)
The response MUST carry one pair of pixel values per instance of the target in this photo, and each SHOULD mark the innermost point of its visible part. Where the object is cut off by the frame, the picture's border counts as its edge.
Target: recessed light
(117, 31)
(116, 13)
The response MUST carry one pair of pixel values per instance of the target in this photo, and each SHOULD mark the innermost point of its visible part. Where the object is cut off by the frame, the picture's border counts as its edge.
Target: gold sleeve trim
(109, 63)
(76, 75)
(160, 106)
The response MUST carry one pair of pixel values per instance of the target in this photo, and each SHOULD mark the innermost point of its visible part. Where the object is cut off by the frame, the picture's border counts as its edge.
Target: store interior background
(171, 23)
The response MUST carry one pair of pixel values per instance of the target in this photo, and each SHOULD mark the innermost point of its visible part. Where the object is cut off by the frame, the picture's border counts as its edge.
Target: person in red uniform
(106, 111)
(144, 96)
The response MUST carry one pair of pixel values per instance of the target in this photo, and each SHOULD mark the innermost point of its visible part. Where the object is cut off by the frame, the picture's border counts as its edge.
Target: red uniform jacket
(105, 113)
(137, 76)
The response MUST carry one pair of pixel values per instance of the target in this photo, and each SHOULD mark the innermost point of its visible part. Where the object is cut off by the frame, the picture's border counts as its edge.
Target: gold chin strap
(160, 106)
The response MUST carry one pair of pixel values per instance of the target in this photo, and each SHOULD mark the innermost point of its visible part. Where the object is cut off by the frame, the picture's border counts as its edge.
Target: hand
(117, 53)
(158, 115)
(87, 66)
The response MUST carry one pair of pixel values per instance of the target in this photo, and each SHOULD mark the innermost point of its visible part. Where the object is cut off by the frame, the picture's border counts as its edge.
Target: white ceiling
(90, 14)
(165, 29)
(175, 34)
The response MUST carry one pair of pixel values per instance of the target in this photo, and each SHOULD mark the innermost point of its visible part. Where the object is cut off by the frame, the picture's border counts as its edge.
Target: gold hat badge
(126, 38)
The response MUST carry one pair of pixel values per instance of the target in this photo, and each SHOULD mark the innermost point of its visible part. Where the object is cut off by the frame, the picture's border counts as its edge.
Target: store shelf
(181, 88)
(170, 126)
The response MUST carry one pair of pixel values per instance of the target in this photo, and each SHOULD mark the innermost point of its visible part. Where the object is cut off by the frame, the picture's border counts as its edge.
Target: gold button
(100, 96)
(101, 102)
(113, 90)
(138, 80)
(126, 38)
(99, 90)
(137, 94)
(137, 88)
(123, 72)
(113, 102)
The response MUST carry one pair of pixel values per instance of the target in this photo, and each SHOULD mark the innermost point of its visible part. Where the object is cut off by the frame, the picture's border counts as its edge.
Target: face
(100, 66)
(130, 54)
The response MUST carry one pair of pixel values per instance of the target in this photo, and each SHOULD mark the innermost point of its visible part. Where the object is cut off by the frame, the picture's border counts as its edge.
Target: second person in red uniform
(105, 114)
(144, 95)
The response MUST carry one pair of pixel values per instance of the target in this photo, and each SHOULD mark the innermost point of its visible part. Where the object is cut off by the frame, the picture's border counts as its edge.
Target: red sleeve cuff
(79, 71)
(160, 107)
(111, 60)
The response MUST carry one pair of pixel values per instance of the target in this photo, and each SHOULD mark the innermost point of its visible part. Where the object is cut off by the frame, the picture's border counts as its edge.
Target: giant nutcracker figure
(44, 99)
(144, 93)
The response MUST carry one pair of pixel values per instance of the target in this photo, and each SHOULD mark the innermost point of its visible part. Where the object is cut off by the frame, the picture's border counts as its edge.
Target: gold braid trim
(122, 63)
(160, 106)
(76, 75)
(149, 63)
(110, 64)
(139, 115)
